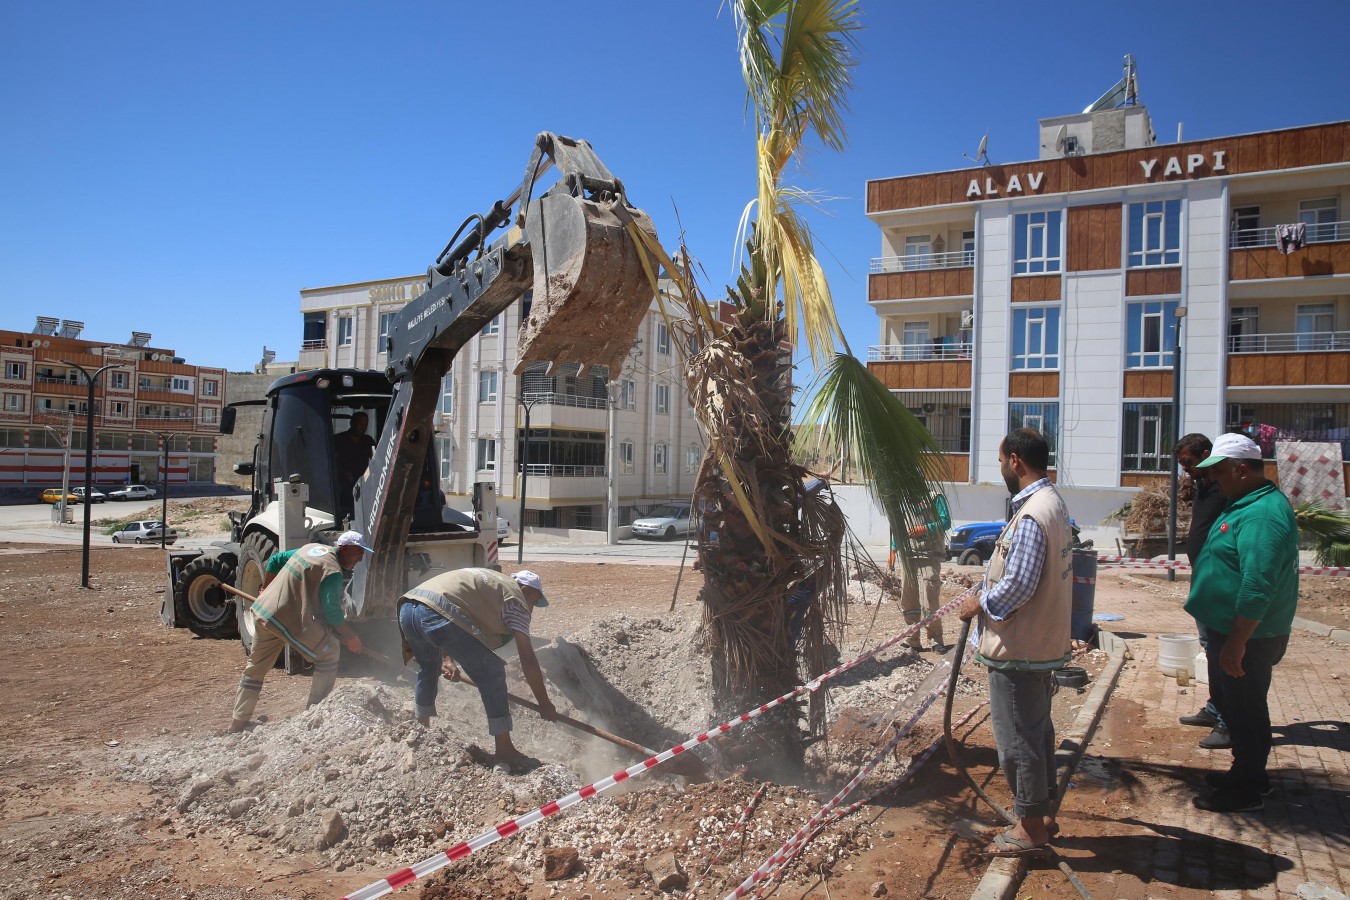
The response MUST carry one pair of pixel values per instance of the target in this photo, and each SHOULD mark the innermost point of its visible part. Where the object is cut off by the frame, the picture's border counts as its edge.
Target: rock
(296, 807)
(195, 789)
(879, 889)
(331, 829)
(240, 805)
(1312, 890)
(666, 872)
(559, 862)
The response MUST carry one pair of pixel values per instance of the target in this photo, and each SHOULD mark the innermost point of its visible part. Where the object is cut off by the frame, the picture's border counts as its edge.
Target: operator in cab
(301, 605)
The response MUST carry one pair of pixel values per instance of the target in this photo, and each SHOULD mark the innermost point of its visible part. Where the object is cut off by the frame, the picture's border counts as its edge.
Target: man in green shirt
(1244, 591)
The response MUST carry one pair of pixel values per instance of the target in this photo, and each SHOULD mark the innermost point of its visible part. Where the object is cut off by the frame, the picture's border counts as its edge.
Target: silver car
(668, 521)
(145, 531)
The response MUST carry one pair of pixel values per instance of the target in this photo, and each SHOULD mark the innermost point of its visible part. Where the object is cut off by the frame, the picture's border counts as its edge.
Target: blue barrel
(1084, 593)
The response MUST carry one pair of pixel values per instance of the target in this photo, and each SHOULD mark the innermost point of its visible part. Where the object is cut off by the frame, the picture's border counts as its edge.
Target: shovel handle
(238, 593)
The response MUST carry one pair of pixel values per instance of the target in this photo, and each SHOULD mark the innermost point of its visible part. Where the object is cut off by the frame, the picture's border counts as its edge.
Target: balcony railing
(320, 344)
(932, 350)
(1321, 233)
(1303, 342)
(550, 398)
(547, 470)
(956, 259)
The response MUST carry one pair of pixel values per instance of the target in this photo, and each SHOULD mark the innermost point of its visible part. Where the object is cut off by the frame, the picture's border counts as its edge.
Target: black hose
(960, 766)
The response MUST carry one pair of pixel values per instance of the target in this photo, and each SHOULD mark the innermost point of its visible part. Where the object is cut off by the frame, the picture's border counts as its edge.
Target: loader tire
(199, 600)
(256, 549)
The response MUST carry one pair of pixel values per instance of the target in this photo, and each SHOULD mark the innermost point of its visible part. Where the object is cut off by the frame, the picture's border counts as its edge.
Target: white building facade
(655, 445)
(1053, 293)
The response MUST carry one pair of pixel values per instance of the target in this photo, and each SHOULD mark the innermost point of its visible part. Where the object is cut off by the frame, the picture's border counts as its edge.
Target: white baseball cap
(353, 538)
(526, 578)
(1231, 446)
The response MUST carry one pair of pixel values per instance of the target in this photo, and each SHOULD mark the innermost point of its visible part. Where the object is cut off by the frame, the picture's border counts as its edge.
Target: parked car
(145, 531)
(503, 529)
(132, 492)
(53, 495)
(667, 521)
(95, 496)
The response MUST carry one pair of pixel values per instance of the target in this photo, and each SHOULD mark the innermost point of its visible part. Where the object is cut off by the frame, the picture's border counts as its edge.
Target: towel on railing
(1289, 238)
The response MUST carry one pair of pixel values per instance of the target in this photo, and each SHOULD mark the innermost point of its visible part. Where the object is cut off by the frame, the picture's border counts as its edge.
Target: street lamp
(1176, 431)
(88, 459)
(165, 439)
(524, 473)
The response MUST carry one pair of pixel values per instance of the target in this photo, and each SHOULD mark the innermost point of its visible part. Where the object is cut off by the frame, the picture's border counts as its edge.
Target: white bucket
(1176, 653)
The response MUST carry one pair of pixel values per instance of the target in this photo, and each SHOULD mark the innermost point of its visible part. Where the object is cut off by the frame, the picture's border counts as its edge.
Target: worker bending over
(463, 617)
(300, 605)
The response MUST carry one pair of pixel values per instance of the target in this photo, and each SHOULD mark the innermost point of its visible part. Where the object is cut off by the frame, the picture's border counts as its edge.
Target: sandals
(1005, 845)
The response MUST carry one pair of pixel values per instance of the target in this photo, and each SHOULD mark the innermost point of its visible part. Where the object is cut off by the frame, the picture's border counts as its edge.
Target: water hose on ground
(952, 751)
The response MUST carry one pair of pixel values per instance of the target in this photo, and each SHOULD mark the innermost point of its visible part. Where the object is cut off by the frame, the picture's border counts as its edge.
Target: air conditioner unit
(967, 318)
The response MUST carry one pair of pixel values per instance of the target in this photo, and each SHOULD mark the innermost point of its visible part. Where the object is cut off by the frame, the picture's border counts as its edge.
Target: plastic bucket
(1201, 668)
(1176, 653)
(1084, 594)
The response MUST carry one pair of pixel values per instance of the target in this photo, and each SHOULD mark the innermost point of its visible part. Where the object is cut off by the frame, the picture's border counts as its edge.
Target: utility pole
(88, 459)
(165, 439)
(527, 402)
(611, 470)
(1176, 432)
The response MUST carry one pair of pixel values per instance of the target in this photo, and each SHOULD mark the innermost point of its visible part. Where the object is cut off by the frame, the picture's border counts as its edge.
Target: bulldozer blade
(590, 290)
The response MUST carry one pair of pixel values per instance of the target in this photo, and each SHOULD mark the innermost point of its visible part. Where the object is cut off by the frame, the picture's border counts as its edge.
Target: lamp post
(1176, 430)
(88, 459)
(528, 403)
(165, 438)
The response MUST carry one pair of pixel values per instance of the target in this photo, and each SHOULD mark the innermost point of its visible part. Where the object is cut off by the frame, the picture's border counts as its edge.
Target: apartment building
(1056, 293)
(151, 398)
(480, 423)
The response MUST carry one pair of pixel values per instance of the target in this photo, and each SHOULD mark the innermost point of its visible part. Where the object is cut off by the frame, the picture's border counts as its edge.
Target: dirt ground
(117, 782)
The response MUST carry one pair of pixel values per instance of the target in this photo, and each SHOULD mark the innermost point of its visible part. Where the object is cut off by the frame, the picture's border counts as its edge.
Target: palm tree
(771, 539)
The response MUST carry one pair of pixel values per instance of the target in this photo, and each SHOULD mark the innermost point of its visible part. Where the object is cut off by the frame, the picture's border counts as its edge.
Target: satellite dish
(1061, 137)
(981, 156)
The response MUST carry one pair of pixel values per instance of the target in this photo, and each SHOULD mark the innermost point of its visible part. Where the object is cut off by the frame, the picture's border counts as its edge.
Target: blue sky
(185, 169)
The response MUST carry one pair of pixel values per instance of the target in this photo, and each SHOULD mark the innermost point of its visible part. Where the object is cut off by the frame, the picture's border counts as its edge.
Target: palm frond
(1328, 531)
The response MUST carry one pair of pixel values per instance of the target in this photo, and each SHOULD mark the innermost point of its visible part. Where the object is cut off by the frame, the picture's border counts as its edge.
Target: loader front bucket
(590, 290)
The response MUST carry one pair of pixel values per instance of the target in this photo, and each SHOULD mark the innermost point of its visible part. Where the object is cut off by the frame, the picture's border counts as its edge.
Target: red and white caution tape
(391, 883)
(1341, 571)
(1144, 562)
(491, 554)
(735, 830)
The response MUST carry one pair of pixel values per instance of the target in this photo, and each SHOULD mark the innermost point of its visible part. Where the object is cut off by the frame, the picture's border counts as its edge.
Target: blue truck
(972, 545)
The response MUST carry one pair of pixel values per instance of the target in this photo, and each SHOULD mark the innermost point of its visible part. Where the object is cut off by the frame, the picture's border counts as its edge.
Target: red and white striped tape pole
(1145, 562)
(393, 882)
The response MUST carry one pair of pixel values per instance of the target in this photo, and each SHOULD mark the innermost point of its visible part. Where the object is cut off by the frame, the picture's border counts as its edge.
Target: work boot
(1217, 739)
(1223, 781)
(1203, 719)
(1227, 800)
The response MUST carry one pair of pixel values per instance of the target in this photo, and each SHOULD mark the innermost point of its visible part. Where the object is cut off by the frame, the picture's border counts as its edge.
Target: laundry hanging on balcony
(1289, 238)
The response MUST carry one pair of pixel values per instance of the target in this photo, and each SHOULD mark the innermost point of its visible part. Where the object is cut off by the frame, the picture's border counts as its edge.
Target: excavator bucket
(590, 290)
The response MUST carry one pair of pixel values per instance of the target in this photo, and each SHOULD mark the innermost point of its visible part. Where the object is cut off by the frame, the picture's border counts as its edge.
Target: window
(14, 403)
(181, 385)
(119, 409)
(1044, 417)
(916, 341)
(628, 396)
(145, 383)
(626, 457)
(122, 380)
(693, 455)
(1036, 242)
(1036, 337)
(1146, 445)
(211, 388)
(16, 371)
(659, 459)
(487, 387)
(487, 455)
(967, 248)
(344, 330)
(1151, 333)
(493, 327)
(662, 339)
(1155, 234)
(918, 252)
(1320, 218)
(447, 402)
(1315, 324)
(445, 451)
(1242, 325)
(386, 323)
(1246, 225)
(209, 415)
(663, 399)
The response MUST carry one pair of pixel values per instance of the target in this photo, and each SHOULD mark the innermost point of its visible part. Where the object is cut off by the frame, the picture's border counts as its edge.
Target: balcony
(939, 348)
(552, 483)
(1277, 360)
(941, 364)
(555, 399)
(922, 276)
(1255, 253)
(558, 410)
(320, 344)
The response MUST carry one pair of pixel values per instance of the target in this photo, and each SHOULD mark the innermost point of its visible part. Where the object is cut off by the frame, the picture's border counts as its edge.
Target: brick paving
(1138, 835)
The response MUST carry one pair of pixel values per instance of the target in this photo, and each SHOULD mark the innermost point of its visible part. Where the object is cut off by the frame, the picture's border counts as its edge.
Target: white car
(668, 521)
(132, 492)
(95, 496)
(145, 531)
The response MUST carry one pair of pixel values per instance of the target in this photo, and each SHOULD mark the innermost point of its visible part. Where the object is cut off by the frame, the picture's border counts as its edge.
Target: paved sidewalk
(1138, 833)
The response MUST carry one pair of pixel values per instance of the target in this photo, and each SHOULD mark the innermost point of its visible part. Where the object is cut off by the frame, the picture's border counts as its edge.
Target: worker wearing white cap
(462, 617)
(301, 605)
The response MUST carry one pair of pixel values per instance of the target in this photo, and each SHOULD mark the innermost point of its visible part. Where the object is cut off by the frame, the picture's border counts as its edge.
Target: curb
(1004, 875)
